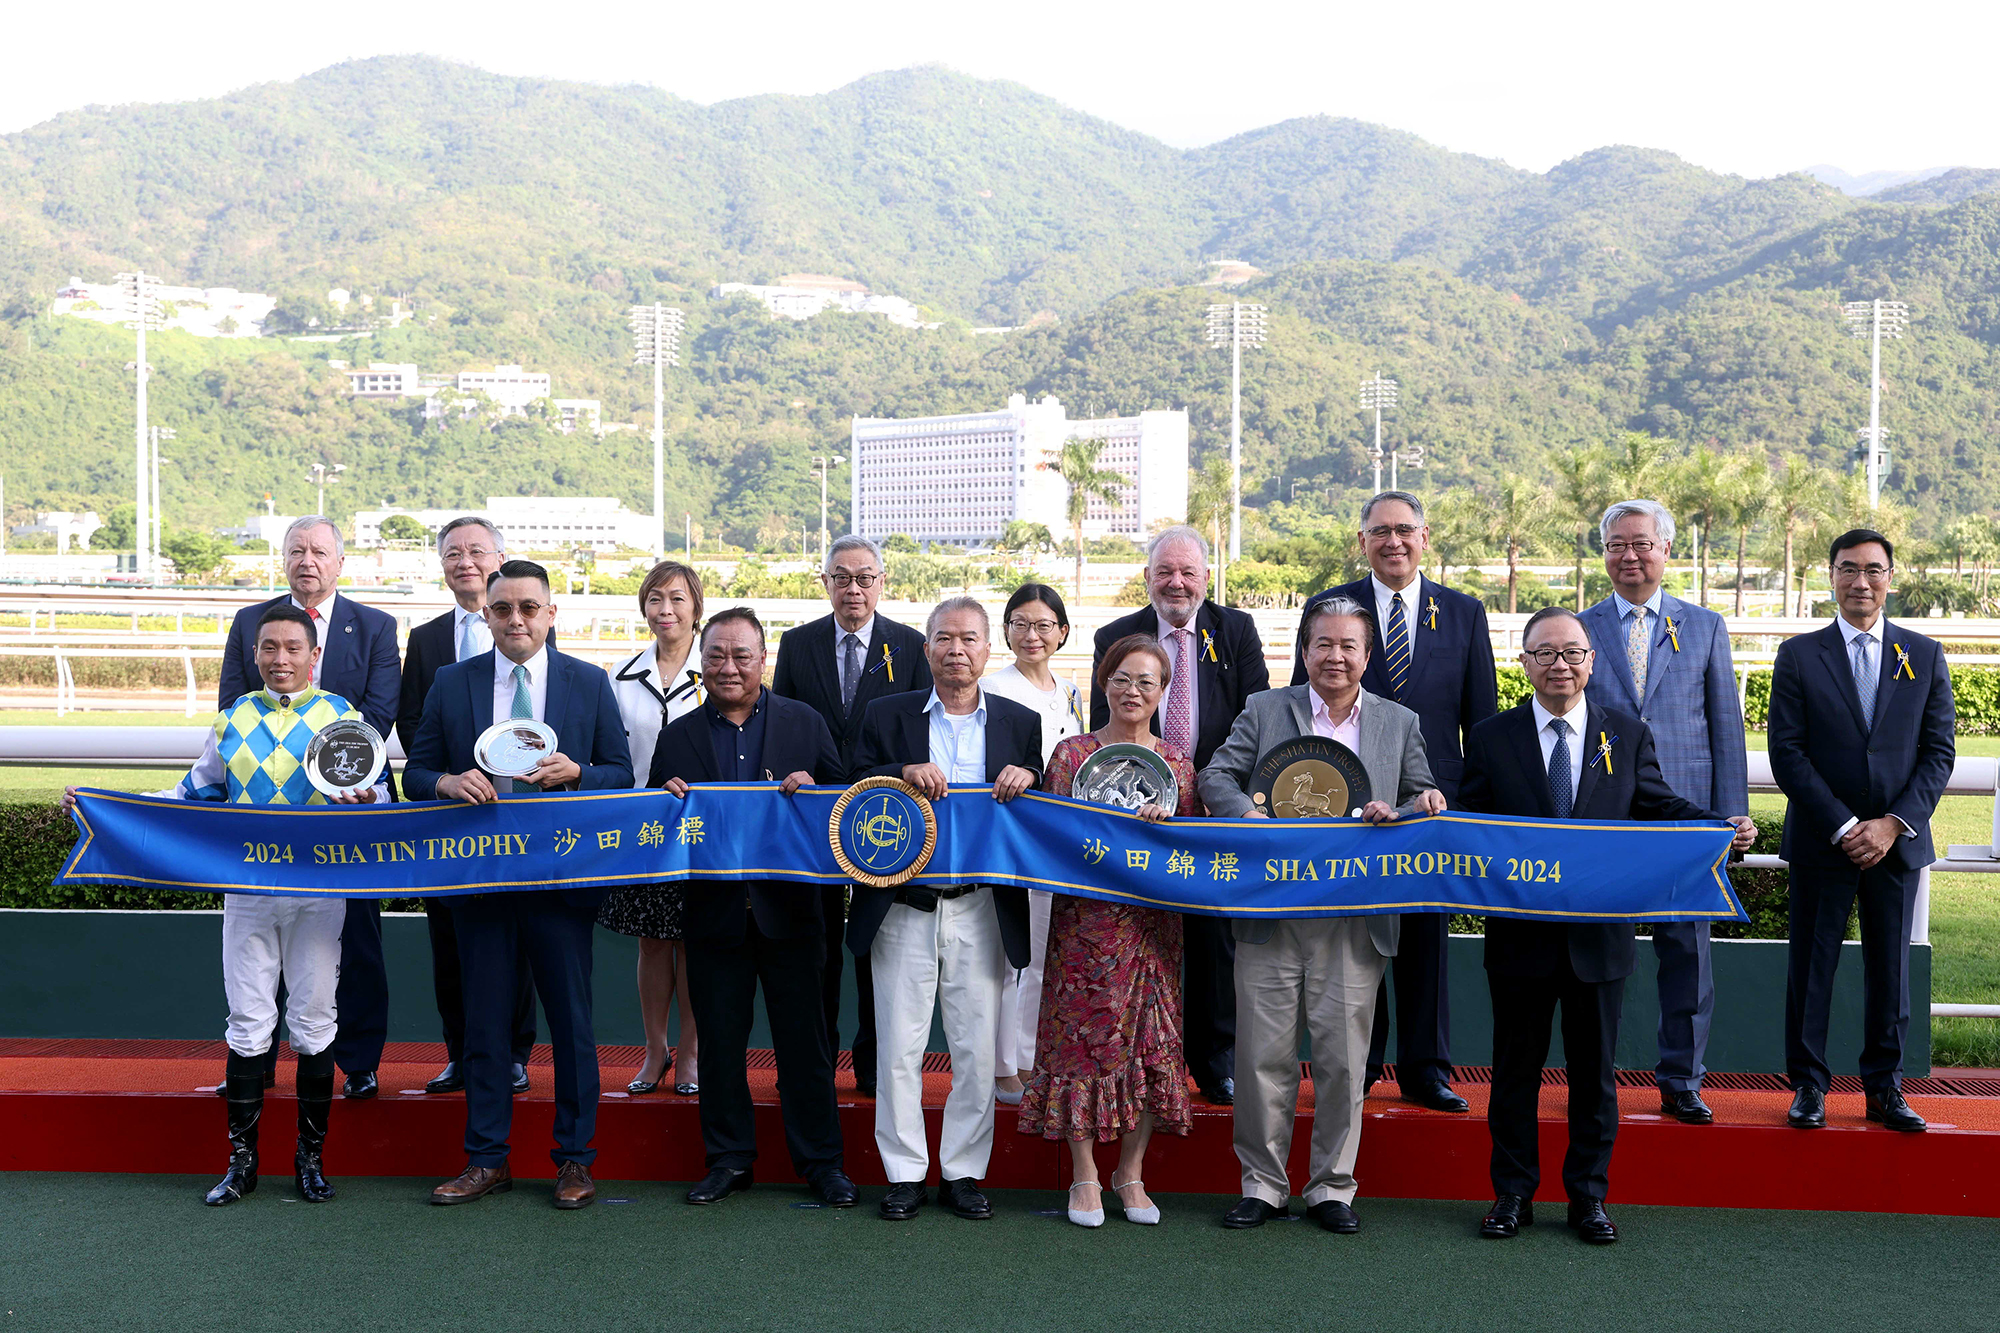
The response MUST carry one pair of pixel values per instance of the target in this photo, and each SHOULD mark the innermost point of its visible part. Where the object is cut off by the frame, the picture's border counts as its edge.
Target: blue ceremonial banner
(1482, 865)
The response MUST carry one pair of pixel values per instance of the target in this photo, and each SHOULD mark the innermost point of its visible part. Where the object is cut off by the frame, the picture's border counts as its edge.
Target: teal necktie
(524, 707)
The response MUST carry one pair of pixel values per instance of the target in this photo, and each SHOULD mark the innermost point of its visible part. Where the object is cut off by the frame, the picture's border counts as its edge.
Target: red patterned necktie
(1179, 730)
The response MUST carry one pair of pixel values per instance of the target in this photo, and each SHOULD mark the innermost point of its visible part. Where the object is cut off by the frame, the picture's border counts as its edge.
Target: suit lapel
(479, 683)
(1605, 615)
(555, 695)
(1833, 653)
(1377, 757)
(1300, 699)
(1527, 746)
(1594, 727)
(1660, 654)
(1887, 669)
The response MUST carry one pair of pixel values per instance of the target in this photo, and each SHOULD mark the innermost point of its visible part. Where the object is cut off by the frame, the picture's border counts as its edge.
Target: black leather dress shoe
(1335, 1216)
(1686, 1107)
(1808, 1108)
(1891, 1111)
(1251, 1213)
(1587, 1219)
(864, 1087)
(360, 1085)
(963, 1197)
(1504, 1220)
(1220, 1094)
(1438, 1096)
(835, 1190)
(520, 1078)
(719, 1184)
(449, 1079)
(900, 1204)
(1370, 1078)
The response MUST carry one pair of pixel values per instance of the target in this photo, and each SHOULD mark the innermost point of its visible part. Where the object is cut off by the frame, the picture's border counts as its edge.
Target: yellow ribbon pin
(1208, 645)
(1604, 744)
(1903, 667)
(889, 662)
(1432, 610)
(1674, 633)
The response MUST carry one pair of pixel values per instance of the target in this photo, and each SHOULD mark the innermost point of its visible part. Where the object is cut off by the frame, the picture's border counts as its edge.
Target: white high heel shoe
(1093, 1218)
(1148, 1216)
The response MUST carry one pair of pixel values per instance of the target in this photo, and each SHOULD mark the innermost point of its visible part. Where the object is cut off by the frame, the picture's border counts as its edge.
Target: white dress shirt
(648, 702)
(470, 629)
(865, 634)
(1577, 716)
(1061, 709)
(320, 627)
(1383, 594)
(1880, 634)
(538, 685)
(958, 741)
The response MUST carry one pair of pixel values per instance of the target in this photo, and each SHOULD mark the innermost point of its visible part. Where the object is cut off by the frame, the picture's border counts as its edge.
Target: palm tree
(1209, 499)
(1750, 499)
(1582, 472)
(1639, 463)
(1457, 521)
(1699, 489)
(1077, 465)
(1516, 520)
(1800, 500)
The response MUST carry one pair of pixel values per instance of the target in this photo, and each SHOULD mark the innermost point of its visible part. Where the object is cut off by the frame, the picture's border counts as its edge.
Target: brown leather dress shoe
(574, 1188)
(475, 1182)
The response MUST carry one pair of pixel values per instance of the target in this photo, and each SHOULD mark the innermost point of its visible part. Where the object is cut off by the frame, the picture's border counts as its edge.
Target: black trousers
(1523, 1009)
(1821, 900)
(555, 931)
(1208, 999)
(722, 982)
(361, 999)
(833, 908)
(449, 984)
(1423, 1005)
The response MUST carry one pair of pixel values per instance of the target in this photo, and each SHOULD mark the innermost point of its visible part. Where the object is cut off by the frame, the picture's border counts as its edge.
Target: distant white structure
(384, 380)
(803, 295)
(534, 523)
(206, 312)
(962, 479)
(261, 527)
(509, 390)
(68, 529)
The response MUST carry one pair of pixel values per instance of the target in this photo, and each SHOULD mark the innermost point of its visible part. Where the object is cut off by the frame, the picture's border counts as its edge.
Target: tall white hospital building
(963, 479)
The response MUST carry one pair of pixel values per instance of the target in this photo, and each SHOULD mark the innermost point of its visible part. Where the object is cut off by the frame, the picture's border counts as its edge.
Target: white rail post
(187, 661)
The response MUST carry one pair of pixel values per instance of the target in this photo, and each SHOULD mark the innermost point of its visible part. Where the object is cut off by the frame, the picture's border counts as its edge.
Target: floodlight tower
(1236, 325)
(821, 465)
(159, 433)
(656, 342)
(1376, 394)
(1875, 320)
(138, 295)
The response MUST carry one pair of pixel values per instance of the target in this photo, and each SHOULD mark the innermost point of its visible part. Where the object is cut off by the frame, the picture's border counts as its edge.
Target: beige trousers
(1316, 976)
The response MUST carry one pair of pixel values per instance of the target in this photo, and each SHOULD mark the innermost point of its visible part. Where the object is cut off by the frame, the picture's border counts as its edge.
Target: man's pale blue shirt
(958, 743)
(1652, 605)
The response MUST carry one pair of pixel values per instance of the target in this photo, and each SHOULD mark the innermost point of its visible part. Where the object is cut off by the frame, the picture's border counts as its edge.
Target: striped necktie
(1864, 677)
(1398, 645)
(524, 707)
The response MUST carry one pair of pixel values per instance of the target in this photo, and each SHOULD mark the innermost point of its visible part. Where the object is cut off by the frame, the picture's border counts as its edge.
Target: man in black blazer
(741, 932)
(523, 677)
(470, 549)
(951, 944)
(1218, 663)
(1861, 744)
(1559, 756)
(838, 665)
(359, 662)
(1436, 660)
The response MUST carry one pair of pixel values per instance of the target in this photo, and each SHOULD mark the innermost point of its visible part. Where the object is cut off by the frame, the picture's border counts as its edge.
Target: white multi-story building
(534, 523)
(962, 479)
(383, 380)
(803, 295)
(68, 529)
(510, 387)
(206, 312)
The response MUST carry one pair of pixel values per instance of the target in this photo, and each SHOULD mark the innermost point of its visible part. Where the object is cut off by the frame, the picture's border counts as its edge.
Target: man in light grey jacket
(1326, 968)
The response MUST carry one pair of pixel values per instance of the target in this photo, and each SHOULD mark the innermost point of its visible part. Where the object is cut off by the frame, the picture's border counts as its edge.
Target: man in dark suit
(949, 945)
(1861, 745)
(838, 665)
(1557, 755)
(470, 549)
(1218, 663)
(1436, 660)
(523, 677)
(739, 933)
(1667, 662)
(359, 662)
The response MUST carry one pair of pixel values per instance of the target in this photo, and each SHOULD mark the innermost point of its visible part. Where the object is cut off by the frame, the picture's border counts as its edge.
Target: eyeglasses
(506, 610)
(1847, 572)
(840, 578)
(465, 553)
(1636, 548)
(1041, 627)
(1124, 684)
(1548, 656)
(716, 657)
(1383, 531)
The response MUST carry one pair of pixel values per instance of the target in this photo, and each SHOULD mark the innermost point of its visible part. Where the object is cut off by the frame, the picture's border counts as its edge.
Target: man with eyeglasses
(1861, 732)
(358, 661)
(1667, 662)
(523, 677)
(1218, 663)
(838, 665)
(469, 549)
(1436, 659)
(1559, 754)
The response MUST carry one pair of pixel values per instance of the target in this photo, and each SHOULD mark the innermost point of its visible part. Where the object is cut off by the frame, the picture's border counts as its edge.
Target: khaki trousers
(1316, 976)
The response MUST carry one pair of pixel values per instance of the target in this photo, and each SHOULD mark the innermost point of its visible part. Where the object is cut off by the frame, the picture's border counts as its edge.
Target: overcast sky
(1752, 86)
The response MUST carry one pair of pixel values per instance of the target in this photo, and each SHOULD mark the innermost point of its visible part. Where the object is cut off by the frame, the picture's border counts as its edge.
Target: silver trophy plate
(345, 756)
(1127, 776)
(511, 749)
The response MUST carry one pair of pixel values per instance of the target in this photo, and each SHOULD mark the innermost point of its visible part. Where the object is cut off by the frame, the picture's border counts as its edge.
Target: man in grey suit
(1326, 968)
(1667, 662)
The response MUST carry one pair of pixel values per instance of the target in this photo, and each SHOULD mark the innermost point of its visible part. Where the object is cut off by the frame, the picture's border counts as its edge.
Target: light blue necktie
(465, 638)
(1397, 659)
(1561, 792)
(524, 707)
(1864, 676)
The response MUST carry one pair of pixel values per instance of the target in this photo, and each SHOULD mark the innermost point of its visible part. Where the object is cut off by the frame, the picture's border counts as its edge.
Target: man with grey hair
(839, 664)
(1218, 663)
(1667, 662)
(358, 661)
(1436, 659)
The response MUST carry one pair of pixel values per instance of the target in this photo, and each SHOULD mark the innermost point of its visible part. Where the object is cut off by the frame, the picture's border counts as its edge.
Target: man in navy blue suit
(523, 677)
(359, 662)
(1862, 746)
(1667, 662)
(1436, 659)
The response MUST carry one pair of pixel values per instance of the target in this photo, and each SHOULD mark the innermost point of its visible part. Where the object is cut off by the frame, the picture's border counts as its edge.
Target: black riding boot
(315, 1099)
(243, 1093)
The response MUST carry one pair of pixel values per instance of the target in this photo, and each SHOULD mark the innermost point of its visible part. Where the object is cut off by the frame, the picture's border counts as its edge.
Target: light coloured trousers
(952, 957)
(1313, 976)
(1021, 993)
(264, 938)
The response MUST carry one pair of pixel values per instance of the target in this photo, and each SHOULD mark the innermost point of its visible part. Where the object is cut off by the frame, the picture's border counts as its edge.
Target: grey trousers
(1318, 977)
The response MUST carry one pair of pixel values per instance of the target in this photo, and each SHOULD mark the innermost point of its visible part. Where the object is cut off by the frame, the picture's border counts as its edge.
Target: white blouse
(1062, 709)
(647, 703)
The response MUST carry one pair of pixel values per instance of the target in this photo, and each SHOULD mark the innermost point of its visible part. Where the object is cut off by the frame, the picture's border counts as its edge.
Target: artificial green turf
(101, 1251)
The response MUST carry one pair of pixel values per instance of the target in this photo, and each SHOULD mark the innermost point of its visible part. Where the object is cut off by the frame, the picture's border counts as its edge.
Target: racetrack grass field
(97, 1251)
